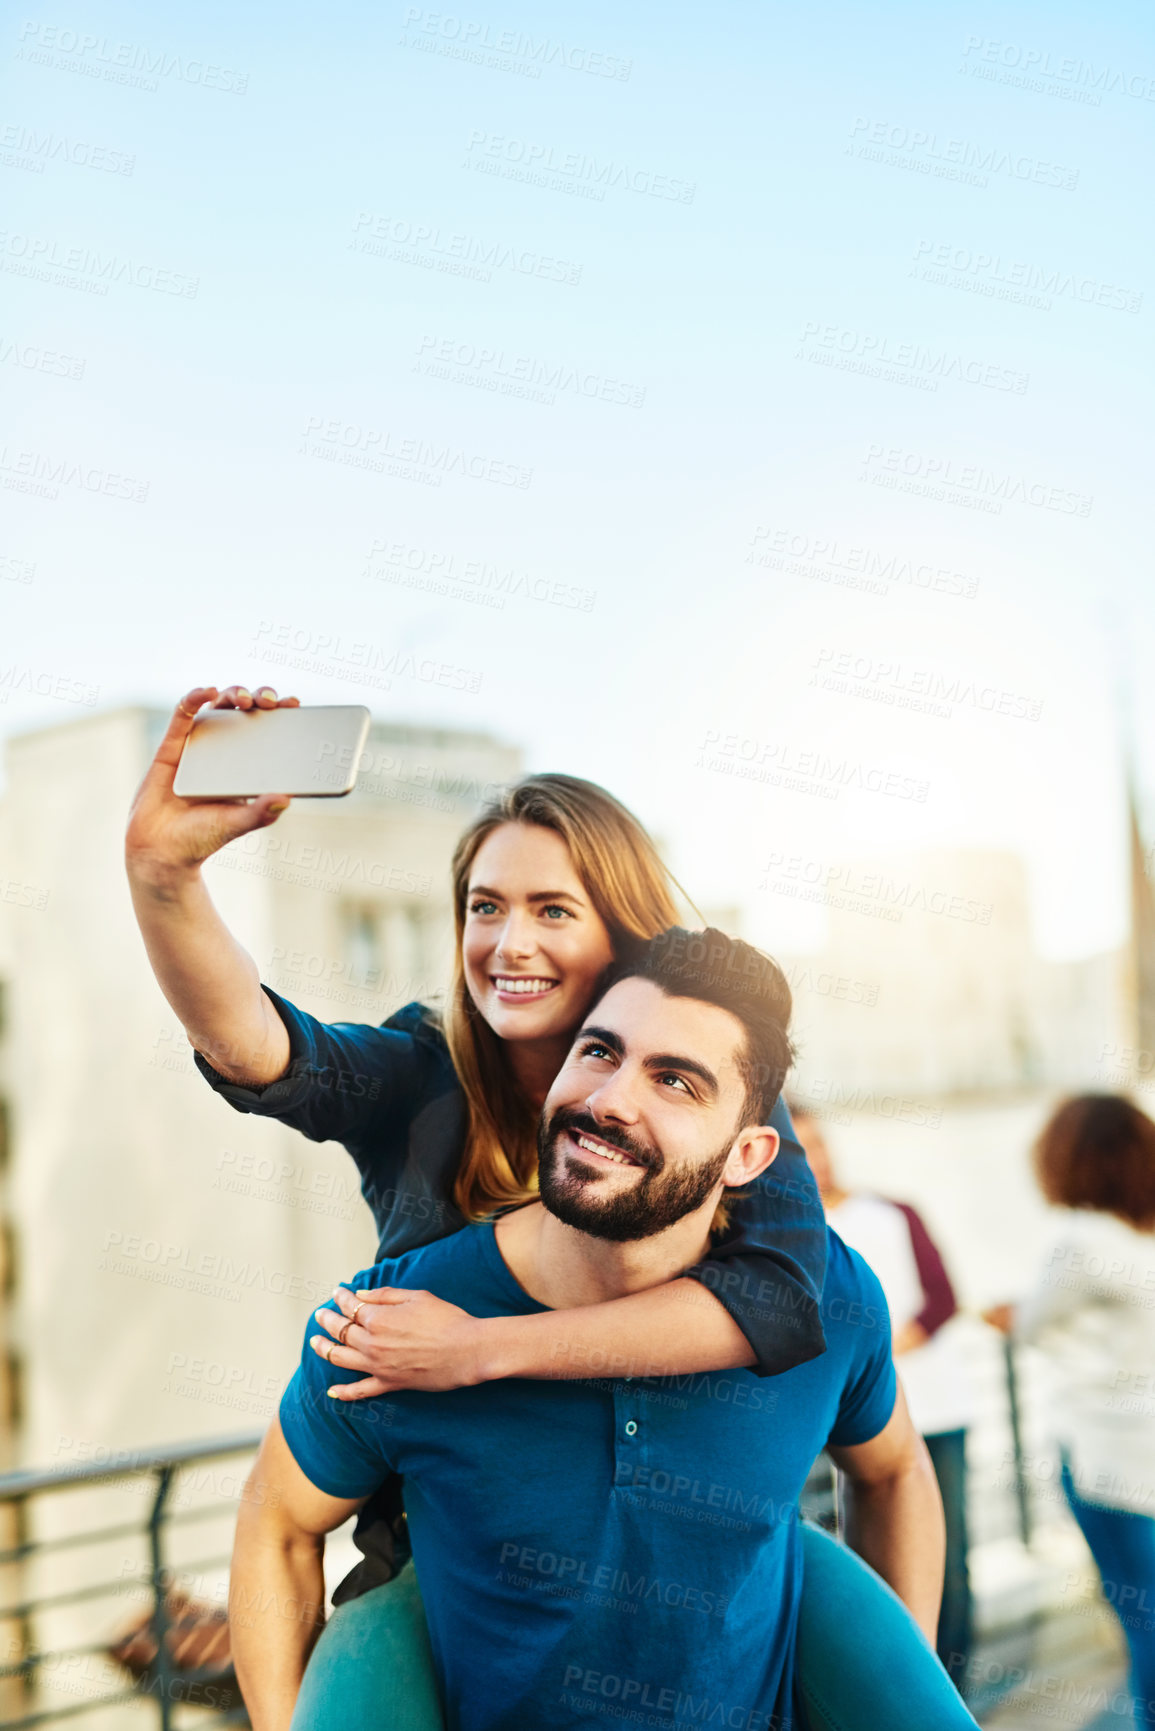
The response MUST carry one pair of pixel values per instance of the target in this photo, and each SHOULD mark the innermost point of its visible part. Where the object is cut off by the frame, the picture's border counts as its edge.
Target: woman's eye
(483, 907)
(554, 910)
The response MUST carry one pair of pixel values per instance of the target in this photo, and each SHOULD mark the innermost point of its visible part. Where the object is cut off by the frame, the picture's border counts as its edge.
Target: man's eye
(483, 907)
(678, 1081)
(595, 1049)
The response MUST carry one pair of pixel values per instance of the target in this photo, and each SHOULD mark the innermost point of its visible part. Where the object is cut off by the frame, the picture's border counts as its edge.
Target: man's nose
(614, 1100)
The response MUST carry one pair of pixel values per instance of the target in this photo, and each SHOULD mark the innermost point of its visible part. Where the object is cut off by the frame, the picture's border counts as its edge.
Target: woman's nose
(516, 939)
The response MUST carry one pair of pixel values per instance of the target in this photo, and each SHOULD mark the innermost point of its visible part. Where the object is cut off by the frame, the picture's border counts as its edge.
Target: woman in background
(1092, 1314)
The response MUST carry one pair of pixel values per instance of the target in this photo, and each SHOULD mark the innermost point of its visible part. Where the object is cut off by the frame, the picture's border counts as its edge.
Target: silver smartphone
(308, 752)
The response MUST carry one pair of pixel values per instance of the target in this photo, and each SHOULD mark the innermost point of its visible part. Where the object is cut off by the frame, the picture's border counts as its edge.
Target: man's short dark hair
(716, 969)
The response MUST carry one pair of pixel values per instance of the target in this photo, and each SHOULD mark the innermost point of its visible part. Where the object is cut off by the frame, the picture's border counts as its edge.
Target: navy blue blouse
(391, 1096)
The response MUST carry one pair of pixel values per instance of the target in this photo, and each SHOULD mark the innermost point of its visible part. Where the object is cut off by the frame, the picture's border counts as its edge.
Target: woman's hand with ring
(169, 837)
(398, 1338)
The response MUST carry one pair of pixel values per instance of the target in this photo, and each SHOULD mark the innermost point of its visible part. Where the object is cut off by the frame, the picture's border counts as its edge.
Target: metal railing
(163, 1684)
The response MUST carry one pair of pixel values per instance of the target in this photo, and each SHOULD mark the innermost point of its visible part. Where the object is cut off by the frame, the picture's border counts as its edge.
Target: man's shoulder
(414, 1268)
(465, 1268)
(857, 1327)
(852, 1294)
(845, 1266)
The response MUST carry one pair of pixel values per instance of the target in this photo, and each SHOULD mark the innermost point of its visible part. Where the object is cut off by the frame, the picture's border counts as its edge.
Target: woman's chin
(527, 1021)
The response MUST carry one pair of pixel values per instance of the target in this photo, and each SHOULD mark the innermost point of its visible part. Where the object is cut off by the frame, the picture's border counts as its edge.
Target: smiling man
(624, 1548)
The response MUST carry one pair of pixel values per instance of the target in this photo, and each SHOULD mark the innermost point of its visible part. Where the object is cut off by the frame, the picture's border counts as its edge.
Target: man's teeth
(526, 987)
(606, 1152)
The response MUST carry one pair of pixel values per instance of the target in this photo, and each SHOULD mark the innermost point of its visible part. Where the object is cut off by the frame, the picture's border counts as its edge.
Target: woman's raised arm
(210, 980)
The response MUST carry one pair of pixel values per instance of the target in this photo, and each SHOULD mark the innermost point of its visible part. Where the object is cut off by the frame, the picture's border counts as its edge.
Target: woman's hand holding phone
(169, 837)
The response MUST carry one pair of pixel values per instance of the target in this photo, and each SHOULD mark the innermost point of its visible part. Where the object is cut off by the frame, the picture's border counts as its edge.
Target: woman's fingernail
(266, 691)
(241, 692)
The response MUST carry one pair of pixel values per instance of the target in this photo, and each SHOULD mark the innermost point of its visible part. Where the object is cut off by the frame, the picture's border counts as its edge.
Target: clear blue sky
(734, 246)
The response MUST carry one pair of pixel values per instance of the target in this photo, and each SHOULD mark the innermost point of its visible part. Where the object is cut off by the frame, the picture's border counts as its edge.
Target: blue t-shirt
(625, 1548)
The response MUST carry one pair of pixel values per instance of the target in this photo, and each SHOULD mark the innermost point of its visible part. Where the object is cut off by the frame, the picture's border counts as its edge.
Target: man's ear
(754, 1149)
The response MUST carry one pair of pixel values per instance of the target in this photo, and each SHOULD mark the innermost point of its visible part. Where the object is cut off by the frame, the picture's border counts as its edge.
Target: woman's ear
(754, 1149)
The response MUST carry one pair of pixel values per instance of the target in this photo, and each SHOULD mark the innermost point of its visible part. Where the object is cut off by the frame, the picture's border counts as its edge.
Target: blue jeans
(373, 1666)
(863, 1663)
(1123, 1546)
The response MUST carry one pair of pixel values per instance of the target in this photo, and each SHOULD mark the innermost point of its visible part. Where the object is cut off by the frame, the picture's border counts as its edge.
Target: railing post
(19, 1683)
(165, 1671)
(1022, 1492)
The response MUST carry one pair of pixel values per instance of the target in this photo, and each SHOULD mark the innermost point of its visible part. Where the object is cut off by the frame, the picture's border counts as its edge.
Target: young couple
(558, 1514)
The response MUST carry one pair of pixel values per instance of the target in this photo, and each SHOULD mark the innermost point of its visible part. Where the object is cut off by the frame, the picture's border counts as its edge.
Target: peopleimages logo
(382, 451)
(427, 244)
(443, 572)
(33, 359)
(121, 62)
(952, 158)
(492, 368)
(1033, 65)
(900, 361)
(850, 887)
(35, 472)
(827, 560)
(933, 475)
(487, 46)
(24, 147)
(50, 260)
(928, 690)
(520, 158)
(1018, 280)
(781, 764)
(538, 1566)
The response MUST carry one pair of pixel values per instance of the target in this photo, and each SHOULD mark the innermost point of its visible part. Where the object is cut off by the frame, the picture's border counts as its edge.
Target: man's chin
(576, 1203)
(600, 1223)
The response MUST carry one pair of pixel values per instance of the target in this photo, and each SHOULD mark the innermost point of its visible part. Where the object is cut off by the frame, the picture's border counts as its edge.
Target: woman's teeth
(525, 988)
(603, 1148)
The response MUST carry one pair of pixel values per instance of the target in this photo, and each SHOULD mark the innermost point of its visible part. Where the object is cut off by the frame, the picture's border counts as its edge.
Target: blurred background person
(895, 1242)
(1092, 1315)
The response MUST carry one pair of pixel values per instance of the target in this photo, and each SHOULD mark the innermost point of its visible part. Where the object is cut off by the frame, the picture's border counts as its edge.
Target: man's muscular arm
(899, 1527)
(277, 1584)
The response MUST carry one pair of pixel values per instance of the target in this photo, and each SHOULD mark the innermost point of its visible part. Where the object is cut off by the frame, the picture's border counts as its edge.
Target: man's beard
(658, 1200)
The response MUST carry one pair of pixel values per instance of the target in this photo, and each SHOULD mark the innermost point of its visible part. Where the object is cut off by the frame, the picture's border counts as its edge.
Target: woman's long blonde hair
(631, 889)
